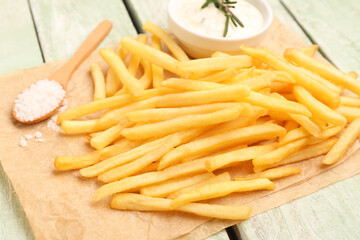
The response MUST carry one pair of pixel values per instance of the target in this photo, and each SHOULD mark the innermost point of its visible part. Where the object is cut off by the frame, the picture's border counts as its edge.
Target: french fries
(159, 129)
(169, 42)
(221, 189)
(346, 139)
(137, 202)
(273, 174)
(166, 132)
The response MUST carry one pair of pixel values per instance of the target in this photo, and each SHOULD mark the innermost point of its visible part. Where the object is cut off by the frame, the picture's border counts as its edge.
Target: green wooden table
(37, 31)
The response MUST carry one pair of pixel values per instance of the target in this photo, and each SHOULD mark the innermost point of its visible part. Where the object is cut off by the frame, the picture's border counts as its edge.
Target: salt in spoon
(29, 109)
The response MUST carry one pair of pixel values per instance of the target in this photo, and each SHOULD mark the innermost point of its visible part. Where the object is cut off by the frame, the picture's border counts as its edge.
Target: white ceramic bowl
(200, 46)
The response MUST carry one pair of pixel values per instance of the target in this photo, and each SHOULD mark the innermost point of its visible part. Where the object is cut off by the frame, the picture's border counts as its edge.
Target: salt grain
(28, 136)
(38, 134)
(23, 142)
(39, 140)
(38, 100)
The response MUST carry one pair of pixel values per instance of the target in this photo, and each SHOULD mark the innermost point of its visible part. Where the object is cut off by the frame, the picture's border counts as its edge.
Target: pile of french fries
(172, 122)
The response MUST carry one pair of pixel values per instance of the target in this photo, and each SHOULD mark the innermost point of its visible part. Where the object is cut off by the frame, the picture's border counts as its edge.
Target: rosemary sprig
(225, 6)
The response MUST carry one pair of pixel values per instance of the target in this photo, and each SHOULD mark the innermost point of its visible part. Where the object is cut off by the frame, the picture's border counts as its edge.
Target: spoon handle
(91, 42)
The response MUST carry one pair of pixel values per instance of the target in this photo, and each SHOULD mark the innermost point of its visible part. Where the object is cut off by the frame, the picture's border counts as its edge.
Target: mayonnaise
(210, 21)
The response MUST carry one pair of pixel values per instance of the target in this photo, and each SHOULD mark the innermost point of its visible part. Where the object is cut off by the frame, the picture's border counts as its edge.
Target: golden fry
(157, 72)
(244, 154)
(129, 81)
(135, 60)
(350, 101)
(145, 179)
(346, 139)
(324, 70)
(221, 141)
(169, 142)
(165, 188)
(273, 174)
(310, 50)
(138, 202)
(221, 189)
(350, 113)
(220, 76)
(98, 80)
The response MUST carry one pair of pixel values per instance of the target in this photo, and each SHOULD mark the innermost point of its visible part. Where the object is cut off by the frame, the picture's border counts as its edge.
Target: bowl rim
(264, 28)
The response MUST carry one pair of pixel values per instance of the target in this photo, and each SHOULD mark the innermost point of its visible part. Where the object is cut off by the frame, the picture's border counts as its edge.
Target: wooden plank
(13, 221)
(19, 47)
(63, 25)
(333, 25)
(154, 11)
(330, 213)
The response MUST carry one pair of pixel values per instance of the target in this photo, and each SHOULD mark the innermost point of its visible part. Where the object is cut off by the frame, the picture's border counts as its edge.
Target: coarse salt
(23, 142)
(38, 134)
(38, 100)
(28, 136)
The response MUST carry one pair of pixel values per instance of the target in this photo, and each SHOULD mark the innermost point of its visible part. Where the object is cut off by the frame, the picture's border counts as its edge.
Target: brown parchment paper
(59, 204)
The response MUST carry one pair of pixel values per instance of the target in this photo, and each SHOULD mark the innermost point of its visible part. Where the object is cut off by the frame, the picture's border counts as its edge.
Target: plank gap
(133, 16)
(233, 233)
(312, 40)
(36, 31)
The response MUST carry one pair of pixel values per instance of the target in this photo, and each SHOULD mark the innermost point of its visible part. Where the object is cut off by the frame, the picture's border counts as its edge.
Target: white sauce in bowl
(210, 21)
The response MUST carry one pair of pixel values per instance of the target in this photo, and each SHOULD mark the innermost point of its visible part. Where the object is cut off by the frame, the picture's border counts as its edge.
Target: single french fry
(120, 159)
(317, 108)
(112, 82)
(145, 179)
(98, 80)
(150, 168)
(146, 79)
(109, 135)
(161, 114)
(118, 147)
(244, 154)
(157, 72)
(276, 104)
(164, 189)
(158, 129)
(131, 168)
(81, 161)
(113, 116)
(221, 189)
(215, 64)
(318, 90)
(280, 153)
(224, 94)
(279, 116)
(221, 141)
(76, 162)
(310, 50)
(293, 135)
(350, 101)
(190, 85)
(220, 76)
(116, 63)
(107, 103)
(346, 139)
(138, 202)
(326, 71)
(273, 174)
(168, 41)
(350, 113)
(77, 127)
(224, 177)
(135, 60)
(310, 151)
(155, 56)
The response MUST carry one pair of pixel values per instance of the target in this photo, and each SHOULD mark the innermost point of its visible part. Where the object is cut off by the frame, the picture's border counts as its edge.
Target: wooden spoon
(63, 75)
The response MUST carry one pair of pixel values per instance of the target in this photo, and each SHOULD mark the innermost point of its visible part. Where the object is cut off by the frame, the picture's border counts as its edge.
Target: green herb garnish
(224, 6)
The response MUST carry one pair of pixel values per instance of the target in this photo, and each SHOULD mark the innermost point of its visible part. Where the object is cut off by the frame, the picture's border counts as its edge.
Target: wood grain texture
(334, 26)
(13, 221)
(63, 25)
(19, 46)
